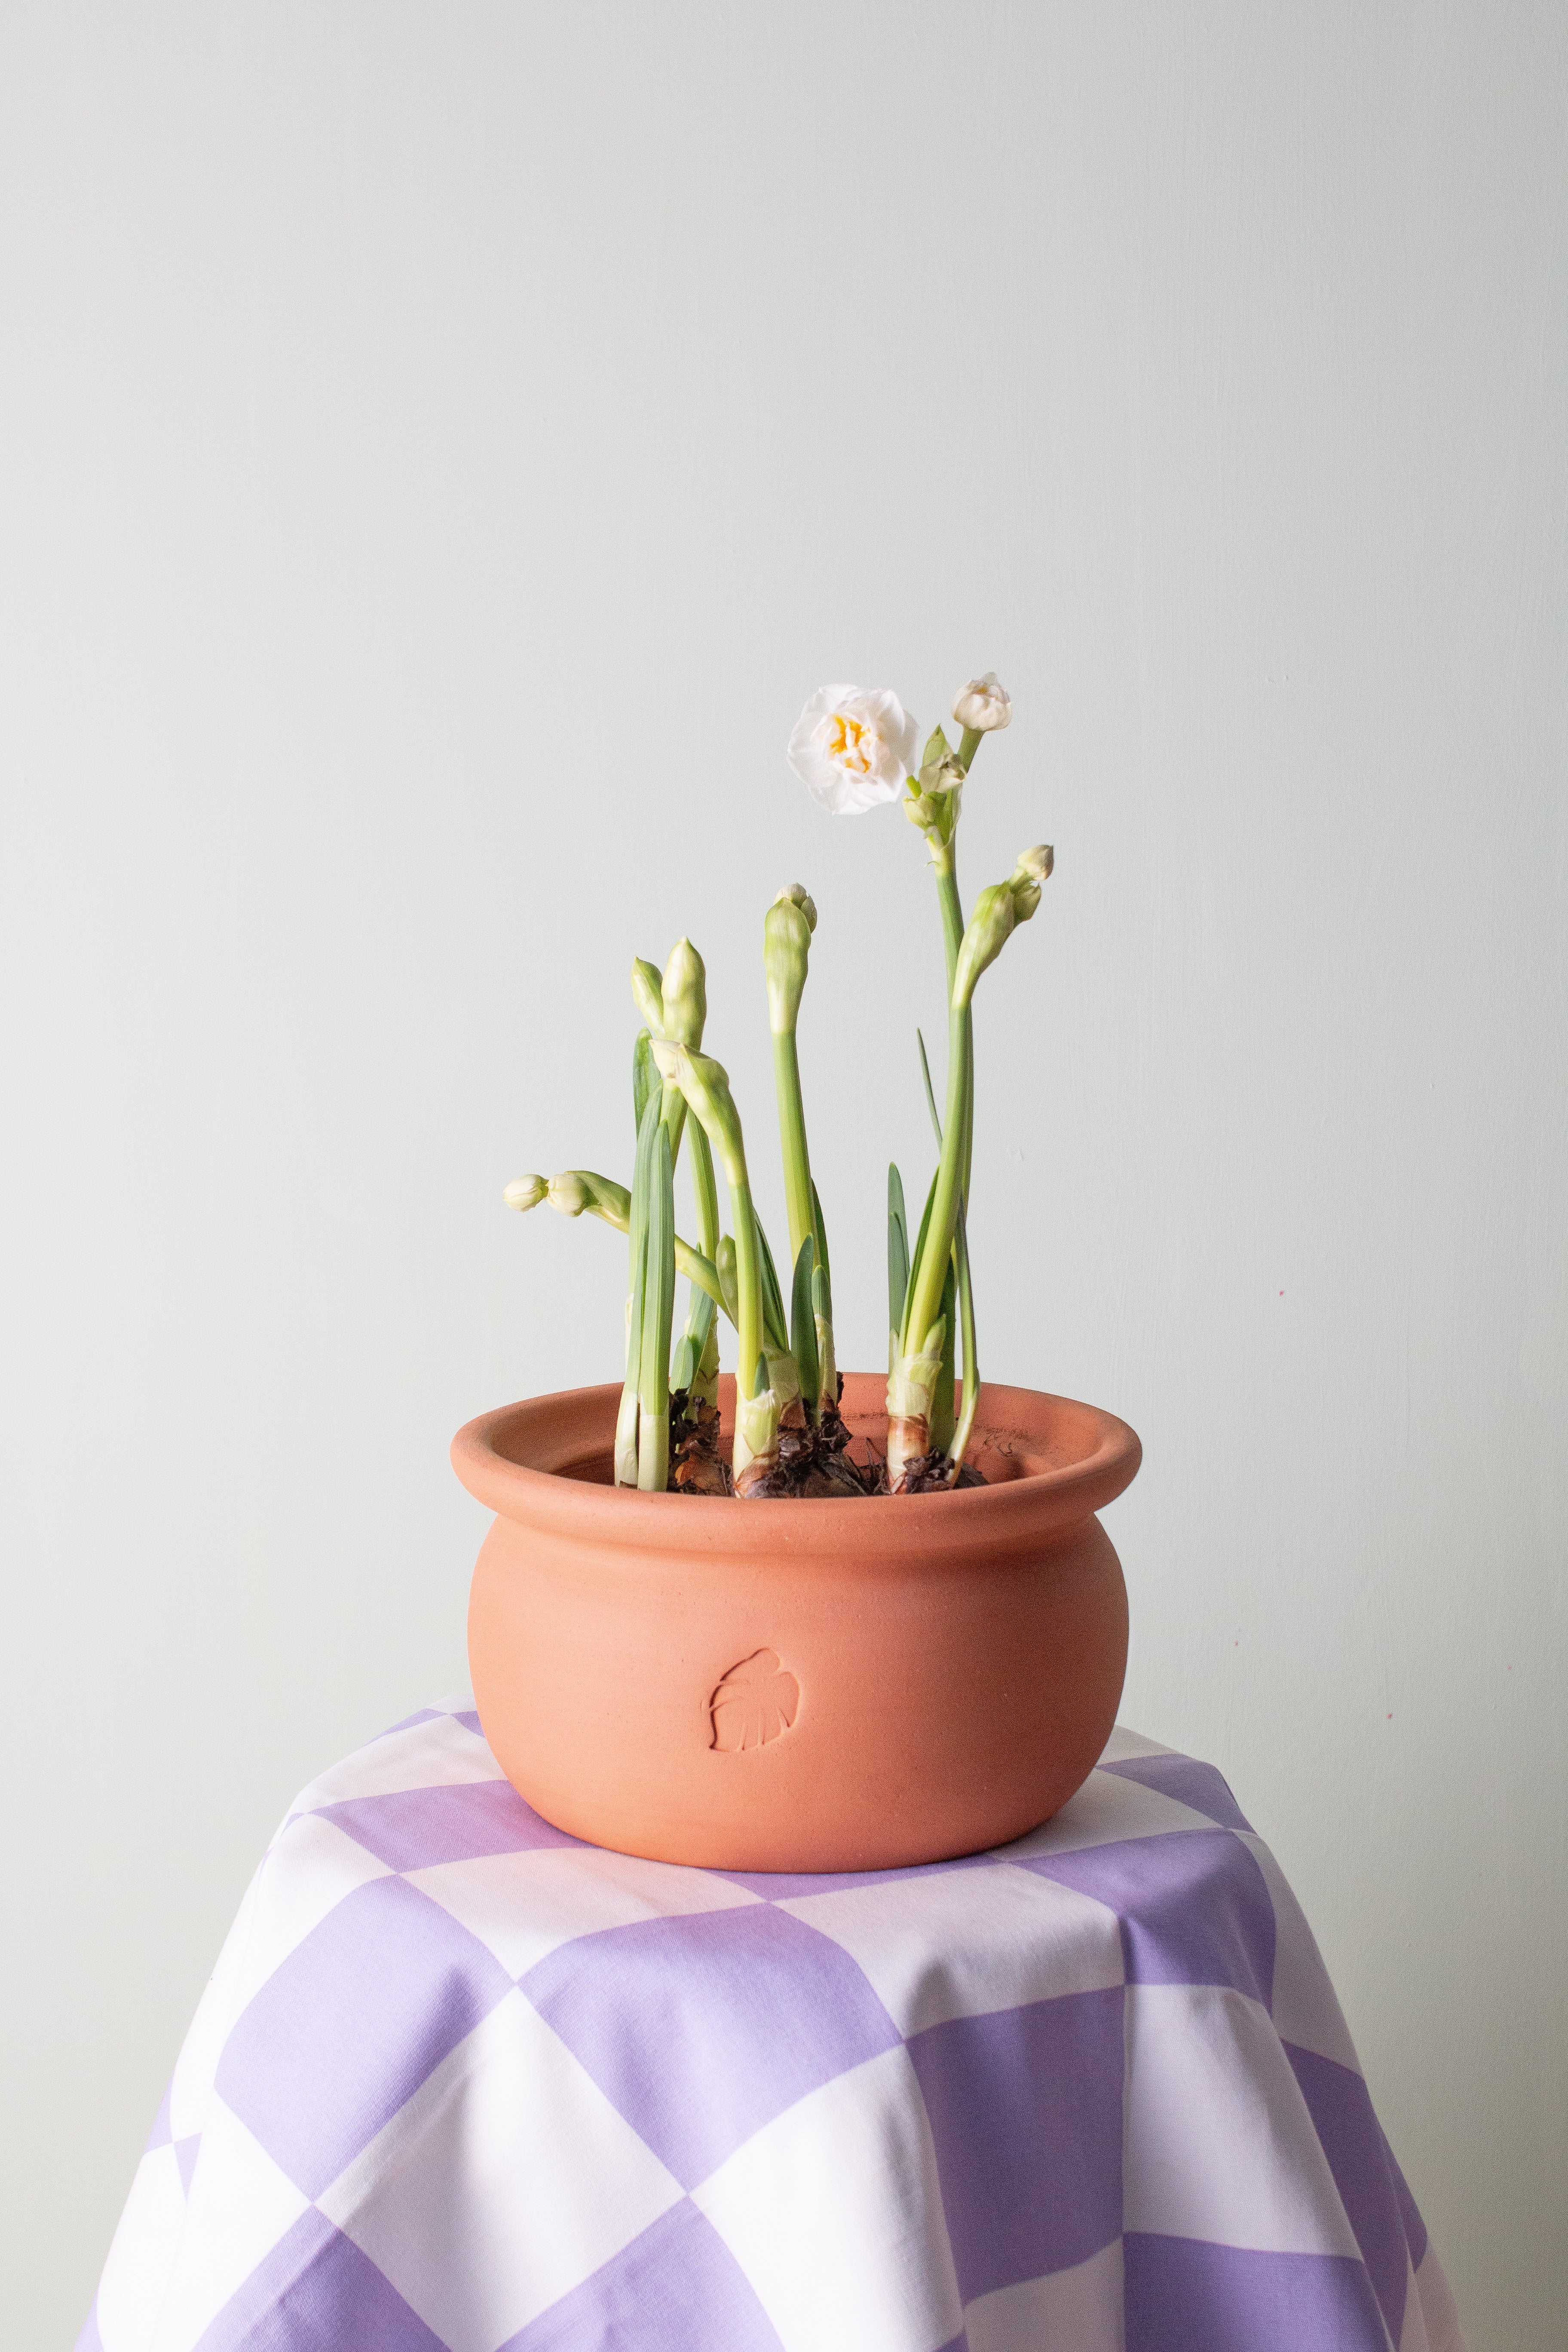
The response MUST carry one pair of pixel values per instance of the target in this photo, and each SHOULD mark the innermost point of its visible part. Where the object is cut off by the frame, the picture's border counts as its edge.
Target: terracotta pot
(797, 1685)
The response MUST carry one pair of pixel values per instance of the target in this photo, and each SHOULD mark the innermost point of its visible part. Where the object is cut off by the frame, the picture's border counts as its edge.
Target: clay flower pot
(797, 1685)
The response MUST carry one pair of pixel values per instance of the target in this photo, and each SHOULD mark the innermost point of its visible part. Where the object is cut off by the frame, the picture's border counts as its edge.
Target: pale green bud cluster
(685, 996)
(787, 946)
(942, 774)
(647, 988)
(997, 913)
(988, 930)
(571, 1192)
(673, 1002)
(526, 1192)
(1033, 867)
(799, 896)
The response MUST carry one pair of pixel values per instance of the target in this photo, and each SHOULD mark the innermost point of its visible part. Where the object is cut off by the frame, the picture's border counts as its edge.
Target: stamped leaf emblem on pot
(757, 1701)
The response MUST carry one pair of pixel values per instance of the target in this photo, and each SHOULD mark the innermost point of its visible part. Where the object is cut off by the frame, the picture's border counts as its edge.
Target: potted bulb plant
(671, 1656)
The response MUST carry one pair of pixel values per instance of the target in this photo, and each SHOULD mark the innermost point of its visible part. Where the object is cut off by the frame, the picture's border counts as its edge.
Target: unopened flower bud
(983, 704)
(685, 995)
(1033, 867)
(787, 945)
(525, 1192)
(942, 775)
(923, 809)
(569, 1194)
(648, 990)
(799, 896)
(985, 938)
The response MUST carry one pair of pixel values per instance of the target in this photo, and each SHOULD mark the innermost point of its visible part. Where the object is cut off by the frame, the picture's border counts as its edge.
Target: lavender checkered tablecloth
(462, 2081)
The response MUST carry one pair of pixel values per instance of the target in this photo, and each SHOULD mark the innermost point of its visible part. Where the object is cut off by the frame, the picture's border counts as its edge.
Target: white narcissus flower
(852, 748)
(982, 704)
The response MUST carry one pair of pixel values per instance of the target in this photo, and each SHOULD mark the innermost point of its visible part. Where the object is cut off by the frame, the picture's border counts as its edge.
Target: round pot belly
(803, 1686)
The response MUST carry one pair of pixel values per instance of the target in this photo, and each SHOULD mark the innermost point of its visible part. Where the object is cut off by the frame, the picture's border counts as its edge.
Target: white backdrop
(442, 448)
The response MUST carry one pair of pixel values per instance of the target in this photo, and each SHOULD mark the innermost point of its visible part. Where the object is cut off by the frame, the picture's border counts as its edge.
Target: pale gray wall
(443, 446)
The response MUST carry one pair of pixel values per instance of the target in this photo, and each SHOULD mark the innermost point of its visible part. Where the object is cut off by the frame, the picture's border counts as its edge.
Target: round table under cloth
(460, 2082)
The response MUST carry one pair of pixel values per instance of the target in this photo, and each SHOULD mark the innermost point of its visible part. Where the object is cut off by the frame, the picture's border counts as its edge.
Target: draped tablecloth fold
(462, 2084)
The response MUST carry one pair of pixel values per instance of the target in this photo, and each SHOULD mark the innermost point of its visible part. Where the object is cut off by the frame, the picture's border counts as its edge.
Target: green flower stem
(705, 1190)
(706, 1086)
(955, 1449)
(943, 1419)
(701, 1325)
(792, 1140)
(929, 1271)
(758, 1399)
(952, 911)
(961, 1435)
(658, 1311)
(612, 1202)
(629, 1418)
(969, 743)
(672, 1115)
(748, 1280)
(786, 947)
(953, 935)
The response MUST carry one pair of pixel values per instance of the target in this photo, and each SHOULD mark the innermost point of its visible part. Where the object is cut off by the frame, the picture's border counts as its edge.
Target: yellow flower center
(853, 747)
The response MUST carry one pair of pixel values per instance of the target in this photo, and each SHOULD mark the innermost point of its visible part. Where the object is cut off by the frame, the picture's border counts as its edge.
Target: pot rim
(966, 1520)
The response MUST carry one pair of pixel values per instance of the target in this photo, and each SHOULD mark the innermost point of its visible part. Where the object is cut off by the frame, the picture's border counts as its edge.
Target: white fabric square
(1079, 2310)
(307, 1874)
(505, 2180)
(834, 2212)
(966, 1942)
(441, 1754)
(240, 2206)
(190, 2087)
(142, 2254)
(1303, 2003)
(1219, 2144)
(1106, 1809)
(523, 1905)
(1123, 1745)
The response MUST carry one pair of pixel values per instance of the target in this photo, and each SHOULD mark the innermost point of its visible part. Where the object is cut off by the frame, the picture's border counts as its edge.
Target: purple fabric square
(469, 1719)
(316, 2292)
(90, 2340)
(1341, 2115)
(416, 1827)
(1026, 2113)
(678, 2288)
(1183, 2295)
(1189, 1782)
(420, 1715)
(186, 2158)
(702, 2029)
(351, 2023)
(1194, 1905)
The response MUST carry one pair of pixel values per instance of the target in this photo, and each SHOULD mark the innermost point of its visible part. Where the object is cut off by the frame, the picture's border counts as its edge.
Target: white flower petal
(852, 748)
